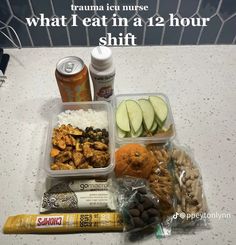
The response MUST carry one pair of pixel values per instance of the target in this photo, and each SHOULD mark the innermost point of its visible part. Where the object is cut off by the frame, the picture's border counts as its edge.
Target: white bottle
(102, 71)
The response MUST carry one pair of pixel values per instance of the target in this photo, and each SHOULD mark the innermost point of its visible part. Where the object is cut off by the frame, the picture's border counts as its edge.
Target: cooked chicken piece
(76, 131)
(63, 156)
(100, 159)
(78, 146)
(85, 165)
(68, 129)
(61, 166)
(71, 163)
(54, 166)
(70, 140)
(87, 150)
(58, 139)
(54, 152)
(63, 135)
(65, 129)
(78, 158)
(100, 146)
(69, 148)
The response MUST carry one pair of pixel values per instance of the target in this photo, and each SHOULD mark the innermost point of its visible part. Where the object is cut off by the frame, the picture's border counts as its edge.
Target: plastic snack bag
(161, 180)
(139, 207)
(191, 207)
(164, 229)
(161, 185)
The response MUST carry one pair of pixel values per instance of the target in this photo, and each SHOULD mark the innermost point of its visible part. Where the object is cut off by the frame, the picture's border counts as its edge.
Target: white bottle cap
(101, 57)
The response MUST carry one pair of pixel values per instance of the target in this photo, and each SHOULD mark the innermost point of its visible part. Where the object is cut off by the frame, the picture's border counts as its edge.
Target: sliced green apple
(122, 118)
(148, 113)
(154, 127)
(135, 114)
(159, 122)
(160, 108)
(120, 133)
(138, 133)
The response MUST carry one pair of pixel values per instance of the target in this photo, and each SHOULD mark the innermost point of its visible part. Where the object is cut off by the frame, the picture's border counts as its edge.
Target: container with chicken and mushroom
(80, 140)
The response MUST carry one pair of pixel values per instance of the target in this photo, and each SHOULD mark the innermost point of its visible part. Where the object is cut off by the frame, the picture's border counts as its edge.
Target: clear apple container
(53, 123)
(143, 118)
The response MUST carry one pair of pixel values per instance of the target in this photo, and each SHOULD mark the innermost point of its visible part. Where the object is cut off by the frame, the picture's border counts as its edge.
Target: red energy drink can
(73, 79)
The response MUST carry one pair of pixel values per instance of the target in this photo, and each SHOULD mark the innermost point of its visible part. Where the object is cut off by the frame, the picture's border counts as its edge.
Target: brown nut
(188, 183)
(187, 176)
(140, 197)
(179, 209)
(132, 205)
(147, 203)
(145, 216)
(134, 212)
(140, 207)
(138, 222)
(153, 212)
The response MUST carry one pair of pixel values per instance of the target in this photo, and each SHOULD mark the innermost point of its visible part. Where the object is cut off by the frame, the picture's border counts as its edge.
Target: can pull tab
(69, 67)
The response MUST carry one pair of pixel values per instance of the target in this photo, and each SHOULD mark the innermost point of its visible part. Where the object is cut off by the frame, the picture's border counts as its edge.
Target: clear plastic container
(160, 137)
(93, 172)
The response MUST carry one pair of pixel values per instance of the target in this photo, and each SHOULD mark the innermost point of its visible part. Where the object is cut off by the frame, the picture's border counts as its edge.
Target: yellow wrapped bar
(63, 223)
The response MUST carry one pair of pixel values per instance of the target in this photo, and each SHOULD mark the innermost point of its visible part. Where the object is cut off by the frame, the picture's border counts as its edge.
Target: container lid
(101, 57)
(70, 65)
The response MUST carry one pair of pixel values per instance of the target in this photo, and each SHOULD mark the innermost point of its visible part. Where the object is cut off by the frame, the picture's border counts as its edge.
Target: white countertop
(200, 82)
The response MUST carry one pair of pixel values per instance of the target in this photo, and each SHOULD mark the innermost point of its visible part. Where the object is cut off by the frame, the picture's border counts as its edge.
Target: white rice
(82, 119)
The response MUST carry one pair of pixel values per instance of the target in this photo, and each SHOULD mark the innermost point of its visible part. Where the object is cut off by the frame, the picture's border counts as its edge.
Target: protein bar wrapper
(77, 201)
(81, 185)
(63, 223)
